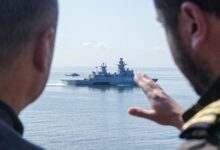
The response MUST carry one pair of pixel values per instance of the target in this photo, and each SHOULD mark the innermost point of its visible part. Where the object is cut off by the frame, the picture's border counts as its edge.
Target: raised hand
(164, 110)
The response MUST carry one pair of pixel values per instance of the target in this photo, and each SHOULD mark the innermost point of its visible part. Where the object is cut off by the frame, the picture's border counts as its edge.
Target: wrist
(179, 123)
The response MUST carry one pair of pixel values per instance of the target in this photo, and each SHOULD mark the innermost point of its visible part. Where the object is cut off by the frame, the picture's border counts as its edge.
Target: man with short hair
(27, 36)
(193, 31)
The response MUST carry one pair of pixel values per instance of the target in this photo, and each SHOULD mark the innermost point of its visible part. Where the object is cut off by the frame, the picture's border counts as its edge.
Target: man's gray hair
(20, 21)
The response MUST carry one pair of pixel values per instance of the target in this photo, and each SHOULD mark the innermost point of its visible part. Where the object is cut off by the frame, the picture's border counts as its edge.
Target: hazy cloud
(87, 44)
(97, 45)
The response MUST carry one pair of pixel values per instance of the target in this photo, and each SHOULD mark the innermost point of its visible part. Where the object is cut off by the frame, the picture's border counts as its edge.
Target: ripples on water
(81, 118)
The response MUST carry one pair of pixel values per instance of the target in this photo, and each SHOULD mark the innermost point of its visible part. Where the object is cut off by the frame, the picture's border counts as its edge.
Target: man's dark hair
(20, 21)
(171, 8)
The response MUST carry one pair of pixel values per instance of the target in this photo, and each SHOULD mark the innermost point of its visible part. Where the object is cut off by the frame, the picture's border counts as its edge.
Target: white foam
(56, 84)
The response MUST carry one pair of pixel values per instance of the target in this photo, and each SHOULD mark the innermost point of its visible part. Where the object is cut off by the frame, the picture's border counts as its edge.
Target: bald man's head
(20, 22)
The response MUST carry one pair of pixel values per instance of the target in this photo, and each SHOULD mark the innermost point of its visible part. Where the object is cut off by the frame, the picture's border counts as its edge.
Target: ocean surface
(82, 118)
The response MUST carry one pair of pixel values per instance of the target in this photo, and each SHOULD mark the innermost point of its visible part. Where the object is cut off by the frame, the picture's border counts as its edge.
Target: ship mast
(103, 69)
(121, 67)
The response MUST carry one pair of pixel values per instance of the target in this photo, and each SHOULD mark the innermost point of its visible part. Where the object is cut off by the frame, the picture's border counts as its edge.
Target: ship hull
(101, 83)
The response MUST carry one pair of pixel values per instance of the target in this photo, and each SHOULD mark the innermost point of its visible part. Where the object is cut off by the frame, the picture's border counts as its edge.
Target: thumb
(139, 112)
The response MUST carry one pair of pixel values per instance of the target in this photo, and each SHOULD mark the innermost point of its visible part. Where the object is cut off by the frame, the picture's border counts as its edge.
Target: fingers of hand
(151, 83)
(145, 83)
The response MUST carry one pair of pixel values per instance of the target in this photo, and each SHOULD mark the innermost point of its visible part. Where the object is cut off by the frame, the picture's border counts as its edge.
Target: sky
(94, 31)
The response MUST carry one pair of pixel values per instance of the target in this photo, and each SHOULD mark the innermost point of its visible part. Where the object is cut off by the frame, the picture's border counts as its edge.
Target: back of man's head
(20, 22)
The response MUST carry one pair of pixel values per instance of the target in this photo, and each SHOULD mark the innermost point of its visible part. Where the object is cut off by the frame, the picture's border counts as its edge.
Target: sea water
(83, 118)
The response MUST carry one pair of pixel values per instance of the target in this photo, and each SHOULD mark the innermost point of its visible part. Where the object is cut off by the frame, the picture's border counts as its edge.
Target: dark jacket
(202, 122)
(11, 131)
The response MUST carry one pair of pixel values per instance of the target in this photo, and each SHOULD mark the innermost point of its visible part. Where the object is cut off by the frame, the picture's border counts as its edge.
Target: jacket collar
(10, 118)
(210, 96)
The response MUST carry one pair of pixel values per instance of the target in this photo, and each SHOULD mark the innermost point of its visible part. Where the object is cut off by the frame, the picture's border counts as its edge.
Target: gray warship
(124, 77)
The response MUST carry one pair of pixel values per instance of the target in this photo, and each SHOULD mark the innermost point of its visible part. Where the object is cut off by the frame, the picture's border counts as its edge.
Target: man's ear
(44, 50)
(196, 24)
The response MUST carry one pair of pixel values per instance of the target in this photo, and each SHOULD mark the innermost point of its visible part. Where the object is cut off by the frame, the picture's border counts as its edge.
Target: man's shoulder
(202, 131)
(11, 140)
